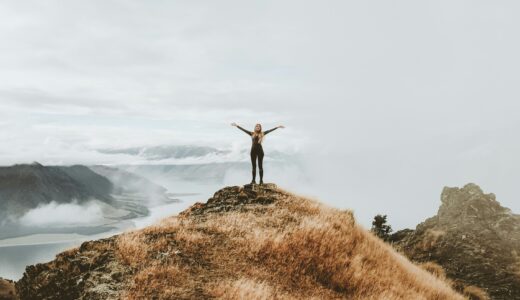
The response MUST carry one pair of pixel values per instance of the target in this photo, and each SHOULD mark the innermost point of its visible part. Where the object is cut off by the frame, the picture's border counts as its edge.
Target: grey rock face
(474, 238)
(90, 272)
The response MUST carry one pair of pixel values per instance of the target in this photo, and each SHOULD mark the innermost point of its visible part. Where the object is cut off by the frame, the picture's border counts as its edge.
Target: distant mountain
(473, 237)
(166, 152)
(212, 172)
(164, 174)
(182, 154)
(130, 183)
(23, 187)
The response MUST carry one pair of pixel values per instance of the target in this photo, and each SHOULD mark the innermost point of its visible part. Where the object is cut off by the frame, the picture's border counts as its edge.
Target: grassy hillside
(241, 244)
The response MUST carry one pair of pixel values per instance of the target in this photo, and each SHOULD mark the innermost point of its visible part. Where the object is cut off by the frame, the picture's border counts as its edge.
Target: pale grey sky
(389, 101)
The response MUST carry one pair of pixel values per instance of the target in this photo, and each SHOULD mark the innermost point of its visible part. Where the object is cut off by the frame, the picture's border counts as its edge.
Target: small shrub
(381, 228)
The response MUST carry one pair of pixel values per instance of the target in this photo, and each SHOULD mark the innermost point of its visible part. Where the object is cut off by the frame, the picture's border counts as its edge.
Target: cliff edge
(474, 238)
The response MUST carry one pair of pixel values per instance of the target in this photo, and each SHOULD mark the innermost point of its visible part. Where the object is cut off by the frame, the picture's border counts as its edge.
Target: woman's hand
(280, 126)
(234, 124)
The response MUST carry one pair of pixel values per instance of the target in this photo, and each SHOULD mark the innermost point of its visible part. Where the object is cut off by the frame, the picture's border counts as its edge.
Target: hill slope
(474, 238)
(23, 187)
(246, 242)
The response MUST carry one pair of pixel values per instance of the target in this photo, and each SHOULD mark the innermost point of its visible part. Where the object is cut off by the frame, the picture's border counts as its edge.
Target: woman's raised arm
(237, 126)
(267, 131)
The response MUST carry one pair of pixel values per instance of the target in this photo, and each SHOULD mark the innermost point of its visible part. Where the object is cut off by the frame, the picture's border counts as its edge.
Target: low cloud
(69, 214)
(384, 120)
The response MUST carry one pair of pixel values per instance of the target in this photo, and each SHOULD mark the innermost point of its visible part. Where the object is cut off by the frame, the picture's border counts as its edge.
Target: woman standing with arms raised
(257, 152)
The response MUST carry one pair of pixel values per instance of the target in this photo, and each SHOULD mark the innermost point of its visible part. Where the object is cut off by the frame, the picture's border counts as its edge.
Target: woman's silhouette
(257, 151)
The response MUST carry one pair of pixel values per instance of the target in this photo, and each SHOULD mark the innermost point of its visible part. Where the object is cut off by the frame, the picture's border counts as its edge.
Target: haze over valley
(401, 117)
(47, 209)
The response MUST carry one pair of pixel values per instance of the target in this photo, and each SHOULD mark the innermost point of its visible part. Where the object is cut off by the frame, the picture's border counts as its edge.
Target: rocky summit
(474, 238)
(245, 242)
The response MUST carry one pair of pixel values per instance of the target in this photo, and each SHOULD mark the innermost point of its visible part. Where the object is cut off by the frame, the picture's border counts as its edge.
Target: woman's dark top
(255, 139)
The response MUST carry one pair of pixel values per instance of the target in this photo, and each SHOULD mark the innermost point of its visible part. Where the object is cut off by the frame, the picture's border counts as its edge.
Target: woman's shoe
(261, 182)
(253, 182)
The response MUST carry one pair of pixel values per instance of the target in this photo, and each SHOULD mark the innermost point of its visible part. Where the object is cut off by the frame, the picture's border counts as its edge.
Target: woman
(257, 151)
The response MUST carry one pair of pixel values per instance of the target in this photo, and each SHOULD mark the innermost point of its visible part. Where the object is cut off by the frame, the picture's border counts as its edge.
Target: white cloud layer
(389, 101)
(66, 214)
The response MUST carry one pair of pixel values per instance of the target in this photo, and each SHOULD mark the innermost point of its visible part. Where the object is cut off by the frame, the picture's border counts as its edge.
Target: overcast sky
(389, 101)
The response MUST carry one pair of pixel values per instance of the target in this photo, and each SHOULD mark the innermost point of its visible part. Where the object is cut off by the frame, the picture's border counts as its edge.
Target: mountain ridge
(250, 242)
(25, 186)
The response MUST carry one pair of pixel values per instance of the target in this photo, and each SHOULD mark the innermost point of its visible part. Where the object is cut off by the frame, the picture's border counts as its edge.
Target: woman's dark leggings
(257, 152)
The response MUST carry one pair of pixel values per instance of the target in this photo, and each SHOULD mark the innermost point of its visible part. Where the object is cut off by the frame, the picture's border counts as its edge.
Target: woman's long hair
(259, 134)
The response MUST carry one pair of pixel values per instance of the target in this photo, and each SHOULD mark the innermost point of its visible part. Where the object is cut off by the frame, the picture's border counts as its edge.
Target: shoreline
(52, 238)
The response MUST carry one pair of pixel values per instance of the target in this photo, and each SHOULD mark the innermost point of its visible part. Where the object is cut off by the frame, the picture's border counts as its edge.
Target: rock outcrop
(251, 242)
(474, 238)
(91, 271)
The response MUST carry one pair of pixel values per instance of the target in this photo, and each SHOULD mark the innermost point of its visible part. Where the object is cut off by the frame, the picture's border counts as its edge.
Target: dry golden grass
(437, 271)
(431, 239)
(434, 269)
(157, 280)
(475, 293)
(131, 249)
(7, 290)
(245, 288)
(295, 248)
